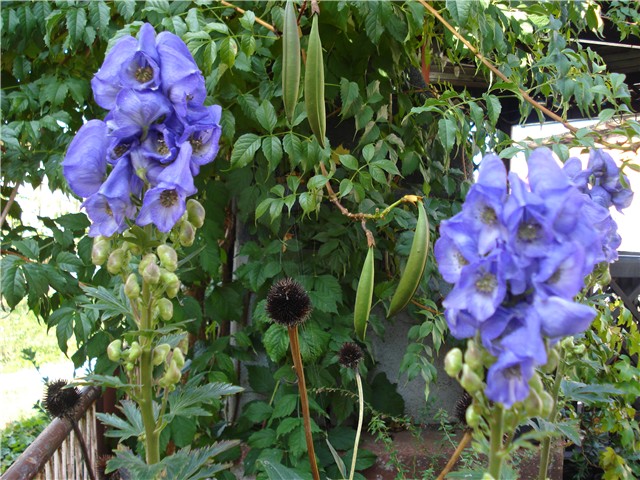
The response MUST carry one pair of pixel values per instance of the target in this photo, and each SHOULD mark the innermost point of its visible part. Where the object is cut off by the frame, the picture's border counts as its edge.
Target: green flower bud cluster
(468, 369)
(174, 361)
(128, 355)
(193, 218)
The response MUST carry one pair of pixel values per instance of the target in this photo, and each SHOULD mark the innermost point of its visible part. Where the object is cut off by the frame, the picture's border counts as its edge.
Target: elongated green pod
(416, 262)
(290, 60)
(314, 84)
(364, 296)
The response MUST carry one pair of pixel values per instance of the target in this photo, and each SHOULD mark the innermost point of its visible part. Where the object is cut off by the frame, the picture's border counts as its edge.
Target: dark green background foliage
(390, 134)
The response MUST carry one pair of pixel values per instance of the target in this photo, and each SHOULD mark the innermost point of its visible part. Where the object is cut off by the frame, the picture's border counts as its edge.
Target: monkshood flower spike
(138, 165)
(518, 253)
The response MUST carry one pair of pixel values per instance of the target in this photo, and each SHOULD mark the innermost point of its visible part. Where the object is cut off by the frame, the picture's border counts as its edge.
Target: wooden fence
(56, 453)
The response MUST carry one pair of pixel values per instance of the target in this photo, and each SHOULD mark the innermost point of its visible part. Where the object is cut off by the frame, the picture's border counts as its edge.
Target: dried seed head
(58, 400)
(350, 355)
(462, 404)
(288, 303)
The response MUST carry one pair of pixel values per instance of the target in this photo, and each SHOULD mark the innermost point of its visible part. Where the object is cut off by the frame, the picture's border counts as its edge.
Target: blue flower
(455, 249)
(85, 164)
(141, 71)
(202, 130)
(182, 80)
(136, 111)
(508, 379)
(562, 272)
(106, 82)
(560, 317)
(165, 204)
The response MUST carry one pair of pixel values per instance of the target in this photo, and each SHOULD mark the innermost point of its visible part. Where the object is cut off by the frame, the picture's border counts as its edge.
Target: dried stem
(266, 25)
(464, 441)
(7, 207)
(360, 422)
(83, 446)
(304, 401)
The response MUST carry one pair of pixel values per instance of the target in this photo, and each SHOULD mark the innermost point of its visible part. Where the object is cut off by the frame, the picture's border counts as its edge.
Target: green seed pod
(473, 356)
(171, 376)
(453, 362)
(132, 287)
(364, 296)
(473, 415)
(187, 234)
(470, 381)
(151, 273)
(165, 309)
(195, 213)
(314, 84)
(100, 250)
(416, 263)
(135, 350)
(160, 354)
(168, 257)
(114, 350)
(116, 261)
(290, 60)
(178, 357)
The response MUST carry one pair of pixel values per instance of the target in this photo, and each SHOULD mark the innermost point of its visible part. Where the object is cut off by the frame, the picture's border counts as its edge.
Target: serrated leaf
(493, 108)
(109, 304)
(123, 428)
(264, 438)
(276, 471)
(99, 16)
(55, 92)
(190, 400)
(245, 149)
(285, 405)
(276, 342)
(76, 23)
(272, 149)
(317, 182)
(266, 116)
(349, 93)
(459, 10)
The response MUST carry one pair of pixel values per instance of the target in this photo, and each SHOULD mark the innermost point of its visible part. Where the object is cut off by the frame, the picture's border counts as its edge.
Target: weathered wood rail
(56, 453)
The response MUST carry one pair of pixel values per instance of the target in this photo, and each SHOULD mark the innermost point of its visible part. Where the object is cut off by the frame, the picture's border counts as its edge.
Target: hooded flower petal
(136, 111)
(85, 164)
(560, 318)
(163, 207)
(508, 379)
(106, 82)
(141, 71)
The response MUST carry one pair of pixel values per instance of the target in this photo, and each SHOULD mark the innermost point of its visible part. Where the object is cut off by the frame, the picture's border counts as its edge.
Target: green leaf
(64, 330)
(447, 133)
(75, 222)
(276, 342)
(13, 282)
(349, 161)
(228, 51)
(257, 411)
(28, 247)
(589, 394)
(459, 10)
(183, 431)
(126, 8)
(123, 428)
(55, 92)
(276, 471)
(99, 16)
(285, 405)
(109, 304)
(69, 262)
(317, 182)
(265, 438)
(266, 116)
(244, 150)
(260, 379)
(272, 149)
(494, 108)
(76, 23)
(349, 93)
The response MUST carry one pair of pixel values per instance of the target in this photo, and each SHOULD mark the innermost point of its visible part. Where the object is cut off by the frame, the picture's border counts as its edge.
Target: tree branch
(7, 207)
(266, 25)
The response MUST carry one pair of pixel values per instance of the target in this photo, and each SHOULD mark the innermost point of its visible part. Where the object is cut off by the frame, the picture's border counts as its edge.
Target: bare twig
(424, 307)
(258, 19)
(7, 207)
(454, 458)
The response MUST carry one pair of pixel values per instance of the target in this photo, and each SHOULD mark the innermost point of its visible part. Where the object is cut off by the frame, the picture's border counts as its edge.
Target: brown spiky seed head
(462, 404)
(60, 400)
(350, 355)
(288, 303)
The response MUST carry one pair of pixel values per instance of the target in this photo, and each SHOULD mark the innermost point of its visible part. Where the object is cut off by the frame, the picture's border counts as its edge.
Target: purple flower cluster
(139, 162)
(518, 254)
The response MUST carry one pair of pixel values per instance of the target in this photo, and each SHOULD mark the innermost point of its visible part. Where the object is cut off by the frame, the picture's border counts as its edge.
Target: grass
(23, 337)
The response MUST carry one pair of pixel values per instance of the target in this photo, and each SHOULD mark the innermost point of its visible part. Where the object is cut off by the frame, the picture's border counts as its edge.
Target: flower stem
(495, 454)
(360, 420)
(304, 401)
(152, 437)
(546, 443)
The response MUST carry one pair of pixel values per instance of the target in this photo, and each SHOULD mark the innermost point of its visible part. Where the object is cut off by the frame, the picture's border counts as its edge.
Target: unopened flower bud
(473, 416)
(135, 350)
(165, 309)
(151, 273)
(547, 404)
(128, 366)
(470, 380)
(178, 357)
(114, 350)
(146, 260)
(552, 360)
(183, 345)
(171, 282)
(160, 354)
(533, 404)
(473, 356)
(116, 261)
(171, 376)
(579, 349)
(187, 234)
(536, 383)
(453, 362)
(132, 287)
(100, 250)
(168, 257)
(195, 212)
